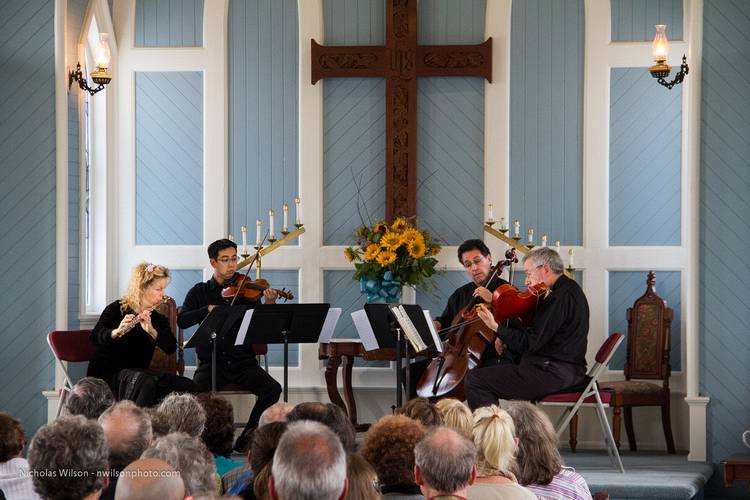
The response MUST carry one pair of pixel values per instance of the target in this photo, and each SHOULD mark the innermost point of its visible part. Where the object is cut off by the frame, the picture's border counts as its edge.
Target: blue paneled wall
(263, 110)
(169, 158)
(168, 23)
(27, 205)
(634, 20)
(546, 117)
(644, 154)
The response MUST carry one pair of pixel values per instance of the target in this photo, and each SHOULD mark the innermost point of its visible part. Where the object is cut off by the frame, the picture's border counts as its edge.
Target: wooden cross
(400, 61)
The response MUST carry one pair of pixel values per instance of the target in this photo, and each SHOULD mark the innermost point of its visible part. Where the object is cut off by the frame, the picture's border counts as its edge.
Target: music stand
(282, 323)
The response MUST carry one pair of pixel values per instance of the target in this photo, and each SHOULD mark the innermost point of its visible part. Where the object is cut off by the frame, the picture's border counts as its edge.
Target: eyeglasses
(528, 273)
(476, 261)
(226, 260)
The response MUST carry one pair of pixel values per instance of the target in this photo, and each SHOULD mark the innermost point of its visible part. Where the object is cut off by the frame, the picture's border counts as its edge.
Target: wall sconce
(100, 76)
(661, 69)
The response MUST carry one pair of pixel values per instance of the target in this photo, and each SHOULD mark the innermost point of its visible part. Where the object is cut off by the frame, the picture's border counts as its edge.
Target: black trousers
(531, 380)
(250, 376)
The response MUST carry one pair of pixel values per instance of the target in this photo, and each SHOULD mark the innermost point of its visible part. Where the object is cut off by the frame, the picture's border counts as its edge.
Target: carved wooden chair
(170, 363)
(649, 336)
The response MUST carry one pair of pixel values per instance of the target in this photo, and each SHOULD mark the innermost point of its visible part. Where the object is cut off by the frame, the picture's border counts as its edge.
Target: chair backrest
(649, 336)
(71, 345)
(169, 363)
(604, 354)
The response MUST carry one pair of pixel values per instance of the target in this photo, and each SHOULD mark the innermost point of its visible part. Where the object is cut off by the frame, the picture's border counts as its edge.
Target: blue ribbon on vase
(385, 290)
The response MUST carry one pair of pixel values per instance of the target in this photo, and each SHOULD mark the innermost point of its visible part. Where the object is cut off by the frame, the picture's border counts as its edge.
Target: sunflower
(416, 248)
(434, 249)
(391, 241)
(372, 251)
(380, 227)
(399, 225)
(386, 257)
(350, 254)
(411, 235)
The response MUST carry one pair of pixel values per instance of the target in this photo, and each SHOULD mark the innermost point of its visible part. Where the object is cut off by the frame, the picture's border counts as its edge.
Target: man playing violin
(234, 364)
(552, 348)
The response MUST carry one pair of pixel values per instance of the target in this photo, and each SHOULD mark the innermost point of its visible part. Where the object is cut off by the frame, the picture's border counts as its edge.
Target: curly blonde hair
(143, 275)
(456, 415)
(494, 436)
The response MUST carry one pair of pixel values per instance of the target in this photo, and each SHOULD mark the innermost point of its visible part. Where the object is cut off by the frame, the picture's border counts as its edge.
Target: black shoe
(243, 441)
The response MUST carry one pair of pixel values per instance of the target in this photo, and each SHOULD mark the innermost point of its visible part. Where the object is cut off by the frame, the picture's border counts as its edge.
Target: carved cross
(400, 61)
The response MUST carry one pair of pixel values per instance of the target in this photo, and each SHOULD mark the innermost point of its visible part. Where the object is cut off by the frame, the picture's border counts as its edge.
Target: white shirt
(15, 480)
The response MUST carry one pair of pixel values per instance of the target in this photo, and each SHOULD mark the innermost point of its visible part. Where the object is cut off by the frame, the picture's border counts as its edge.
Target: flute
(138, 318)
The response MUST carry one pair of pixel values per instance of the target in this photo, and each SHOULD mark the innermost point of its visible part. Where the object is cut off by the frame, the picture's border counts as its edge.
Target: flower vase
(383, 290)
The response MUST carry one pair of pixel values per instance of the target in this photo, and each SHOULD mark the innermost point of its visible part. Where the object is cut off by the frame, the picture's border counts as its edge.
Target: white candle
(243, 230)
(296, 210)
(502, 223)
(271, 215)
(258, 223)
(516, 228)
(230, 237)
(285, 227)
(570, 261)
(530, 234)
(489, 213)
(544, 240)
(557, 246)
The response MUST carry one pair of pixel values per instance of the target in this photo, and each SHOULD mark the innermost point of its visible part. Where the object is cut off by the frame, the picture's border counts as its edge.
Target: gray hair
(89, 397)
(184, 413)
(127, 429)
(149, 479)
(546, 255)
(188, 456)
(277, 412)
(68, 458)
(309, 463)
(446, 459)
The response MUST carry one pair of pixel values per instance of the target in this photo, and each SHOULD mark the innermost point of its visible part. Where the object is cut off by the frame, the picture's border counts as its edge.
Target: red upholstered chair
(591, 396)
(72, 346)
(649, 335)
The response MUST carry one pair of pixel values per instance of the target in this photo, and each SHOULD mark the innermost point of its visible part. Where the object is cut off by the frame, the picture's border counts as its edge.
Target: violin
(250, 290)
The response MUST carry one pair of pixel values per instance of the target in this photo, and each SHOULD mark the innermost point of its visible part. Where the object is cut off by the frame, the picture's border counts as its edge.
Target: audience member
(389, 447)
(218, 434)
(159, 422)
(262, 448)
(89, 397)
(363, 480)
(15, 480)
(190, 457)
(421, 409)
(456, 415)
(184, 414)
(496, 445)
(444, 463)
(328, 414)
(127, 430)
(68, 458)
(149, 479)
(309, 464)
(539, 465)
(277, 412)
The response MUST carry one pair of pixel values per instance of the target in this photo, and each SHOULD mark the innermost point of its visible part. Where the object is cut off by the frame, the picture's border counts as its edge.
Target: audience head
(494, 436)
(12, 438)
(159, 423)
(218, 434)
(89, 397)
(265, 441)
(538, 460)
(421, 409)
(363, 480)
(72, 444)
(309, 464)
(444, 462)
(456, 415)
(184, 413)
(127, 430)
(149, 479)
(277, 412)
(389, 447)
(328, 414)
(188, 456)
(146, 287)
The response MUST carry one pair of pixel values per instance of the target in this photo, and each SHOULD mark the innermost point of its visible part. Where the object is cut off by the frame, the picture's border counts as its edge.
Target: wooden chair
(170, 363)
(649, 335)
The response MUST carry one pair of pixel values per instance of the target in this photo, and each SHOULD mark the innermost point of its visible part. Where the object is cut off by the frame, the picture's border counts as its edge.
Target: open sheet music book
(410, 331)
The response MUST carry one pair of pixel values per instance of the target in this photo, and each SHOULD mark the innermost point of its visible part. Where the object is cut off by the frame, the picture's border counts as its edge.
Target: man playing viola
(552, 349)
(234, 364)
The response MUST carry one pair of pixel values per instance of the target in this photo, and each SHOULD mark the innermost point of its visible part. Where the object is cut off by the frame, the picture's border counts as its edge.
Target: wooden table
(736, 467)
(344, 352)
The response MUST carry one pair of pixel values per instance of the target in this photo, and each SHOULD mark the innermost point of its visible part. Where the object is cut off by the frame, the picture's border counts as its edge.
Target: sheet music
(408, 328)
(435, 337)
(329, 325)
(364, 329)
(243, 327)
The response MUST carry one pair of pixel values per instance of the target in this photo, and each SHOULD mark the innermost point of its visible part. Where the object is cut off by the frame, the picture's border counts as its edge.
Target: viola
(250, 290)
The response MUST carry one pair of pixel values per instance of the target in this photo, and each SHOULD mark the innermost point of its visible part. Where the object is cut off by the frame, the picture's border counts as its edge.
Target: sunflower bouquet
(389, 256)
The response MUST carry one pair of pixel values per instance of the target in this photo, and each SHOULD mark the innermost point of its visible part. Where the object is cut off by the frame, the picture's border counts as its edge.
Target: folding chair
(591, 396)
(72, 346)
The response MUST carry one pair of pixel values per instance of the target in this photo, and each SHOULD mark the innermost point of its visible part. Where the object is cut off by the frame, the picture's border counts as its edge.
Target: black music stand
(284, 323)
